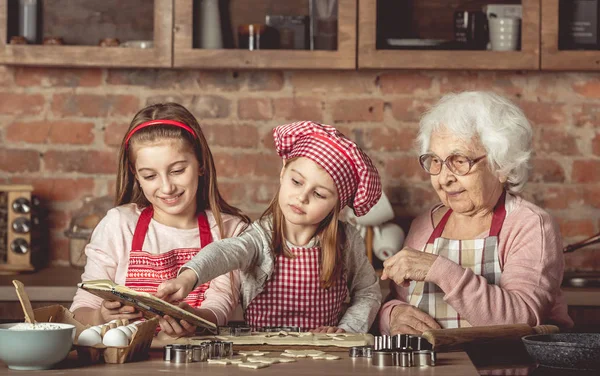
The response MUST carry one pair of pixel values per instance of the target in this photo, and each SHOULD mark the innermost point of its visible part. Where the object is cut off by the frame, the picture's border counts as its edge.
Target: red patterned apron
(146, 271)
(293, 295)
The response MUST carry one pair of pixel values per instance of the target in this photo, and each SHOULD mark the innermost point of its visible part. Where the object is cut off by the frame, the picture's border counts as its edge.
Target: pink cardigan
(530, 251)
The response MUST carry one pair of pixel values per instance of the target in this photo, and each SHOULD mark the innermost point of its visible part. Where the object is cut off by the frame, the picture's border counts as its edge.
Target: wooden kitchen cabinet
(84, 55)
(527, 58)
(254, 11)
(552, 57)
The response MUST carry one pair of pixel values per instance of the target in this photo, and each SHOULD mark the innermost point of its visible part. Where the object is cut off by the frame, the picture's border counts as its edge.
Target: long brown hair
(331, 234)
(207, 195)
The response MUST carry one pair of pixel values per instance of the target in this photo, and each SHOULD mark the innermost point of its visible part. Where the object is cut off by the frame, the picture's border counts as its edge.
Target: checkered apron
(479, 255)
(146, 271)
(293, 296)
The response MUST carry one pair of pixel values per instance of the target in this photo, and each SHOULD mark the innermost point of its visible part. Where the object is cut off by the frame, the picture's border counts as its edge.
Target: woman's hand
(174, 328)
(112, 309)
(178, 288)
(327, 329)
(408, 265)
(407, 319)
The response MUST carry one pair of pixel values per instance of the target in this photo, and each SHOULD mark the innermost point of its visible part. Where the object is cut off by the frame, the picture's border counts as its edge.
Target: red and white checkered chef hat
(353, 173)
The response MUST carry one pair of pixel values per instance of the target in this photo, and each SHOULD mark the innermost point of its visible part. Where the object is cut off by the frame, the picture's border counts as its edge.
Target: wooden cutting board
(457, 339)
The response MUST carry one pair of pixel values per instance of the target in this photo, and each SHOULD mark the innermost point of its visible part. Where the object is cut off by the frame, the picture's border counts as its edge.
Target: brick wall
(60, 130)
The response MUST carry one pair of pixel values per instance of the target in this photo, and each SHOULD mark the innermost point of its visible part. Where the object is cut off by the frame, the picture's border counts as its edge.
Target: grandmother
(484, 255)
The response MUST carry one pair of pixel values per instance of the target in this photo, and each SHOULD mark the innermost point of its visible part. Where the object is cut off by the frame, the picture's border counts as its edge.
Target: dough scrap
(253, 353)
(222, 362)
(327, 357)
(253, 365)
(262, 359)
(305, 352)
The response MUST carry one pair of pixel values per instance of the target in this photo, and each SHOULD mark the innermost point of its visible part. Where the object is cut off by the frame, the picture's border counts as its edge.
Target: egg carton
(138, 347)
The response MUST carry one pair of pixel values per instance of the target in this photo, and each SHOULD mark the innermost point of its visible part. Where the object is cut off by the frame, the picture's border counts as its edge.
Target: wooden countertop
(58, 284)
(457, 363)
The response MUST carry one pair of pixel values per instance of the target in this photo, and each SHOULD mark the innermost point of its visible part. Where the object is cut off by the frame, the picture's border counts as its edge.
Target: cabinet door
(370, 56)
(76, 54)
(552, 57)
(187, 52)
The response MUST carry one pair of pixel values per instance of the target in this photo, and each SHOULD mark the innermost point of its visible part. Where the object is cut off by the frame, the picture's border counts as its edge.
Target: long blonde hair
(207, 195)
(330, 233)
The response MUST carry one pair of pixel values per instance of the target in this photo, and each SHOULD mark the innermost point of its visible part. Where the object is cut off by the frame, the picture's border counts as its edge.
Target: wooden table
(457, 363)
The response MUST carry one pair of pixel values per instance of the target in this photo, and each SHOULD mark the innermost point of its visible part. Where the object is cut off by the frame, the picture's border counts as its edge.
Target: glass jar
(82, 225)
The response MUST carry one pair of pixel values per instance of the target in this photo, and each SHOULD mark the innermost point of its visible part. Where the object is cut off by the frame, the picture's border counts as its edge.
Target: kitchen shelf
(528, 58)
(185, 56)
(86, 56)
(552, 57)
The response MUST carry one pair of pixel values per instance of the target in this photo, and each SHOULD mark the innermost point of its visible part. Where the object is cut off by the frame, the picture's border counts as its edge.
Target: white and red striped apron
(293, 296)
(479, 255)
(146, 271)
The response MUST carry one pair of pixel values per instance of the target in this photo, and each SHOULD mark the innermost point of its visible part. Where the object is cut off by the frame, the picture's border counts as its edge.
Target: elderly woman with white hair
(484, 255)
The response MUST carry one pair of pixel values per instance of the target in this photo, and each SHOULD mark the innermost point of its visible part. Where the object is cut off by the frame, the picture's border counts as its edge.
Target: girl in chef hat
(169, 207)
(298, 262)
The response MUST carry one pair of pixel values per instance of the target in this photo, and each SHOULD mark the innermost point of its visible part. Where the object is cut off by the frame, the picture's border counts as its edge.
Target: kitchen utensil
(35, 349)
(579, 351)
(584, 243)
(25, 303)
(454, 339)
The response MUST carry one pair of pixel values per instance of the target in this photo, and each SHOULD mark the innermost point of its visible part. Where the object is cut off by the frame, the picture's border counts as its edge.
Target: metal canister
(382, 358)
(367, 352)
(423, 358)
(167, 355)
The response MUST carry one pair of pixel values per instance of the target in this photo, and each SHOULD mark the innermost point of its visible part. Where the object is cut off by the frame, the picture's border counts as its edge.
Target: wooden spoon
(25, 303)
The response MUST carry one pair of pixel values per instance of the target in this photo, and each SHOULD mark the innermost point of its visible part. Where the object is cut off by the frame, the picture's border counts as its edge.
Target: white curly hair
(499, 124)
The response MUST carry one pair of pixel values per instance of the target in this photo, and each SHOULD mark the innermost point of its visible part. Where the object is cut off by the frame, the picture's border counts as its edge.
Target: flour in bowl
(36, 326)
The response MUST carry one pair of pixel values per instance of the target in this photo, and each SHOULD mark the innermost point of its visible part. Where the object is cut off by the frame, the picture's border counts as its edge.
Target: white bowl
(35, 349)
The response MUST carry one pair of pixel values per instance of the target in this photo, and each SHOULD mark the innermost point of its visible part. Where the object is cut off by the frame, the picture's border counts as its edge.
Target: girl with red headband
(298, 262)
(168, 208)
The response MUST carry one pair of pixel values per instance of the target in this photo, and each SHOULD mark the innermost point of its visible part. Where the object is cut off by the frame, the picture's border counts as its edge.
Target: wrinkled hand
(408, 265)
(112, 309)
(174, 328)
(327, 329)
(407, 319)
(178, 288)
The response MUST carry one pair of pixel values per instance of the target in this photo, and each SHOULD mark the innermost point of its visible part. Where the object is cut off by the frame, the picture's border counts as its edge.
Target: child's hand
(178, 288)
(327, 329)
(174, 328)
(112, 309)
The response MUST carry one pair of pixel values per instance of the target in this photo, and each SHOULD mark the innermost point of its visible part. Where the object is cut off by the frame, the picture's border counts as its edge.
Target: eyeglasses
(457, 164)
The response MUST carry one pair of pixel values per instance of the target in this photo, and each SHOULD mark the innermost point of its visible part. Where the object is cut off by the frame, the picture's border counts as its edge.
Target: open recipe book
(149, 304)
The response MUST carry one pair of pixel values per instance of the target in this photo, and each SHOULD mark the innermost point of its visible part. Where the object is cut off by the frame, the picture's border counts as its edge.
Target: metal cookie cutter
(382, 358)
(181, 354)
(167, 355)
(403, 358)
(199, 353)
(423, 358)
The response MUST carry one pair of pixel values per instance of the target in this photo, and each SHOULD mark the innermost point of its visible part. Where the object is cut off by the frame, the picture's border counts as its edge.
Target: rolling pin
(455, 339)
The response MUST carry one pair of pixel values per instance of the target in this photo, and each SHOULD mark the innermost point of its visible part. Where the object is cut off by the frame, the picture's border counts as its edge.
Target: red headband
(159, 122)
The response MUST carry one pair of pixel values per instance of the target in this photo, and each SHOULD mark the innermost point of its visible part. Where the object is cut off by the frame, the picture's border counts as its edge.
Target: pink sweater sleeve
(224, 293)
(418, 234)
